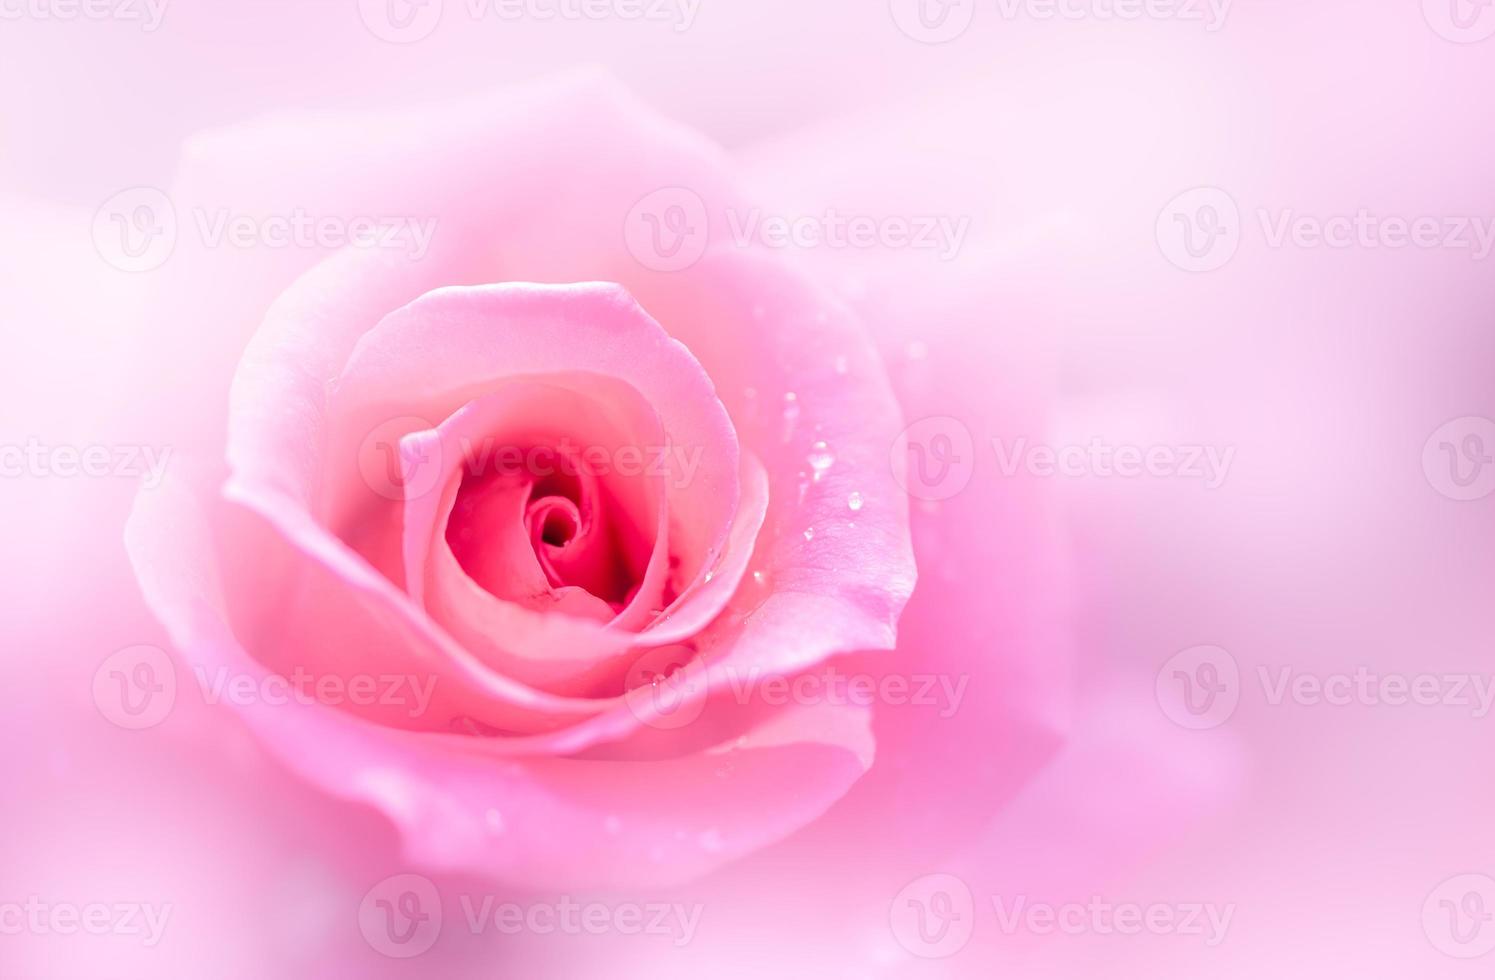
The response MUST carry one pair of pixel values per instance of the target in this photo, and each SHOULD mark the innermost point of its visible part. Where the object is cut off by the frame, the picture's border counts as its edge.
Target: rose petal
(562, 823)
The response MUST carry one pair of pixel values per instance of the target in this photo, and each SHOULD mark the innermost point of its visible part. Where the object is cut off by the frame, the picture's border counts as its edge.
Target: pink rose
(524, 508)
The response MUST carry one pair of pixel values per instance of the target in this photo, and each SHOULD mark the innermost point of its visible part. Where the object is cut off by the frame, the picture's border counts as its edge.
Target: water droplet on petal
(809, 534)
(821, 459)
(791, 414)
(759, 578)
(855, 501)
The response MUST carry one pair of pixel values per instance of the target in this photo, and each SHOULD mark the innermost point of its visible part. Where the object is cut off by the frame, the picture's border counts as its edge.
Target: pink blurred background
(1333, 544)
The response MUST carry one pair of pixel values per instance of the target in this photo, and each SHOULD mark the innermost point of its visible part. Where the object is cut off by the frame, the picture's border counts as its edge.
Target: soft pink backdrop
(1326, 549)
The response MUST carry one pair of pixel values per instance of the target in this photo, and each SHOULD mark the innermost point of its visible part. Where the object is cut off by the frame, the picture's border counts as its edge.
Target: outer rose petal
(760, 332)
(559, 823)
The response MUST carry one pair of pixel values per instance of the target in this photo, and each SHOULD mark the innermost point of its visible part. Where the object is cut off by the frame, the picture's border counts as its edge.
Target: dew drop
(821, 459)
(791, 414)
(809, 534)
(759, 578)
(855, 501)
